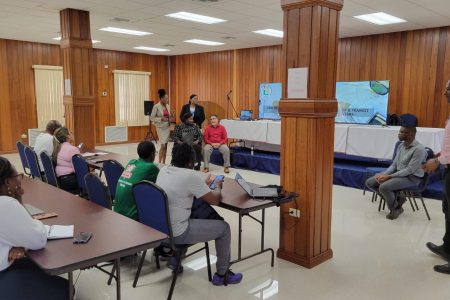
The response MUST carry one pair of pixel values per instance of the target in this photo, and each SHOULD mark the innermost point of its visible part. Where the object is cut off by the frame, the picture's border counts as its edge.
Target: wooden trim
(75, 43)
(43, 67)
(293, 4)
(305, 261)
(308, 107)
(131, 72)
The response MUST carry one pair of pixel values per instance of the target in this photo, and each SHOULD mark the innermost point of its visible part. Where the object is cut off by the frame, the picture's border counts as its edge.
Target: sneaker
(226, 170)
(232, 278)
(172, 264)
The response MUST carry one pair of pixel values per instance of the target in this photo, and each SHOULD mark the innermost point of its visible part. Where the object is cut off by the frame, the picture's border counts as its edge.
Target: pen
(49, 230)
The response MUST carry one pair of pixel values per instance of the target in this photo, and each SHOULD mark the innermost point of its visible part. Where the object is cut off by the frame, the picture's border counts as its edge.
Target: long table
(362, 140)
(111, 239)
(234, 198)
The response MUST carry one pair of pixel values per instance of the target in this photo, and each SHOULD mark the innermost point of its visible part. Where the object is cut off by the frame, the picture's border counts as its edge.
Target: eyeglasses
(19, 176)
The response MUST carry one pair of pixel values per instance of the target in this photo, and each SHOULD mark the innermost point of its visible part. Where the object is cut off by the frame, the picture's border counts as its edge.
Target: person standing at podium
(160, 117)
(196, 110)
(431, 165)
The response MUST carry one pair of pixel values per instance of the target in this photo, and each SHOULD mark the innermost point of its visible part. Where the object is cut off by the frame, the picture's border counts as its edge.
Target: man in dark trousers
(431, 165)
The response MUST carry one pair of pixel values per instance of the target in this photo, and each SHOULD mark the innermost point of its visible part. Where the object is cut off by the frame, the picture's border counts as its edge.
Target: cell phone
(213, 183)
(82, 238)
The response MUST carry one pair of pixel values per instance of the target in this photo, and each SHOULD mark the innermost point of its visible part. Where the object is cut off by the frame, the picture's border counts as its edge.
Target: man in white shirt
(44, 141)
(181, 184)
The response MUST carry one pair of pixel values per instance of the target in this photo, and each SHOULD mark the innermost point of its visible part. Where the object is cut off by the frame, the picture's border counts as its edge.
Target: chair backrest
(81, 169)
(153, 207)
(113, 170)
(49, 169)
(430, 153)
(97, 191)
(408, 120)
(424, 183)
(33, 163)
(23, 158)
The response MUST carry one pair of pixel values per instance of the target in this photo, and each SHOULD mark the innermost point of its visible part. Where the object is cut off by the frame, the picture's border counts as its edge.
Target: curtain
(131, 88)
(49, 87)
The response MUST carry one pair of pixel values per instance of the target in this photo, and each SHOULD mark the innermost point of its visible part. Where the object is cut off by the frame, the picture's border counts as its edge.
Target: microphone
(230, 102)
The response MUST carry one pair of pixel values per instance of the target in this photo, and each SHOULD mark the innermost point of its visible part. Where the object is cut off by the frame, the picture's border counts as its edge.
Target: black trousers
(445, 208)
(198, 153)
(68, 182)
(24, 280)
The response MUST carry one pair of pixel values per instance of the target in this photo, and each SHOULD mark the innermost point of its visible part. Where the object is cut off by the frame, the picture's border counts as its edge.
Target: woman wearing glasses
(20, 278)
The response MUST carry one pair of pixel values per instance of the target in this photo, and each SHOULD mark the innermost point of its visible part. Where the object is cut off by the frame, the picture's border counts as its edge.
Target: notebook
(59, 231)
(259, 192)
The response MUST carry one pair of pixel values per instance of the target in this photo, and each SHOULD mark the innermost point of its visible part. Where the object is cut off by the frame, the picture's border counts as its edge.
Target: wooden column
(307, 129)
(79, 104)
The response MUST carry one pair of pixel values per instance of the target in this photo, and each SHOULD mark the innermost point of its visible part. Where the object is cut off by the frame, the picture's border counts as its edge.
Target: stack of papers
(59, 231)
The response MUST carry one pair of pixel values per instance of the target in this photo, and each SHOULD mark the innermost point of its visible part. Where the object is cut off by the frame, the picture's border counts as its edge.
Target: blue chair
(97, 191)
(33, 163)
(49, 170)
(153, 211)
(23, 158)
(81, 169)
(408, 120)
(113, 170)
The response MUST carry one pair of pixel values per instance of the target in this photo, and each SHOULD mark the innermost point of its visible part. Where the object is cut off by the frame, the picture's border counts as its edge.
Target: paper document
(59, 231)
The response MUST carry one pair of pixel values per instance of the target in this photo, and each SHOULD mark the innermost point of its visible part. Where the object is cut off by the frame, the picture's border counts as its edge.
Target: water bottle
(251, 150)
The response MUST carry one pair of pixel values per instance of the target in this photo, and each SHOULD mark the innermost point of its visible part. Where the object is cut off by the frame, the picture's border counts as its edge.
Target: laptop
(259, 192)
(246, 115)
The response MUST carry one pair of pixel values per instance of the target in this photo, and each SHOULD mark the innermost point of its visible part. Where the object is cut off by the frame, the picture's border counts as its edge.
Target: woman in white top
(160, 117)
(20, 278)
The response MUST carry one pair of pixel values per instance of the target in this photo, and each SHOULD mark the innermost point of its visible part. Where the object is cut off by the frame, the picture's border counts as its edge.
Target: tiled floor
(374, 258)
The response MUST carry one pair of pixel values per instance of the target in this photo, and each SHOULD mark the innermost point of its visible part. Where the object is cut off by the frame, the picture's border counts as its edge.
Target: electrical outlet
(294, 212)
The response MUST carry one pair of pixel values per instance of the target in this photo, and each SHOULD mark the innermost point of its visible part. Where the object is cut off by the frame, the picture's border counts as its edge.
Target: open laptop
(246, 115)
(259, 192)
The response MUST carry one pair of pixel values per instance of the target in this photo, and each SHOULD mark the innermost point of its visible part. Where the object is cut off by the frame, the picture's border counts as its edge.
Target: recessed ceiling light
(151, 49)
(270, 32)
(195, 17)
(380, 18)
(203, 42)
(58, 38)
(125, 31)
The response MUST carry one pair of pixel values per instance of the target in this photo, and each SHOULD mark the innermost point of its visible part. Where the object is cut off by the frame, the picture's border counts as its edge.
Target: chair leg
(208, 262)
(381, 202)
(175, 273)
(374, 197)
(111, 276)
(425, 208)
(412, 205)
(138, 272)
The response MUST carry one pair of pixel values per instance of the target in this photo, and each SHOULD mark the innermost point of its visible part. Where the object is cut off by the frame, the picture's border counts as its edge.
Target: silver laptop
(259, 192)
(32, 210)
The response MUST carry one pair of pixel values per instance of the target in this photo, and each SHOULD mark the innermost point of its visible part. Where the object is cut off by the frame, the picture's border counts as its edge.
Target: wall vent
(116, 134)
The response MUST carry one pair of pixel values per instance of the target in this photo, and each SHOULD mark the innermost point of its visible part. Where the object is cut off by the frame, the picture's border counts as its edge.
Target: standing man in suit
(160, 117)
(431, 165)
(195, 109)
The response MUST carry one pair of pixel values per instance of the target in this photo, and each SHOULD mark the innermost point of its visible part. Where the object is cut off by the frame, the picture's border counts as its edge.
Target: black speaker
(148, 106)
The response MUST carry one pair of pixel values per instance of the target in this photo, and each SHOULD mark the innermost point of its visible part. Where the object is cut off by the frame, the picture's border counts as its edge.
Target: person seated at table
(44, 141)
(197, 111)
(188, 132)
(21, 278)
(404, 172)
(62, 158)
(215, 137)
(135, 171)
(181, 185)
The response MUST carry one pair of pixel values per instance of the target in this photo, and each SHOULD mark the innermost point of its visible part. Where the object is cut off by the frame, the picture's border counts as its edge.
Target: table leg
(262, 228)
(240, 236)
(118, 278)
(71, 291)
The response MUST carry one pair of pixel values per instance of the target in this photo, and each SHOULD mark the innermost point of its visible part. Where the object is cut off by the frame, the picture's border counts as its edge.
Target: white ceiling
(38, 21)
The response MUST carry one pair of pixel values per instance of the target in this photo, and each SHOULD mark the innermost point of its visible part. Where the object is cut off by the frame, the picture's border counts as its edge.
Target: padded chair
(33, 163)
(49, 170)
(97, 191)
(81, 169)
(370, 171)
(113, 170)
(21, 149)
(155, 213)
(408, 120)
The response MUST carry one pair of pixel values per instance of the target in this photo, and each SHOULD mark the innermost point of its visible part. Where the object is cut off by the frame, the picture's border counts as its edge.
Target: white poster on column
(297, 83)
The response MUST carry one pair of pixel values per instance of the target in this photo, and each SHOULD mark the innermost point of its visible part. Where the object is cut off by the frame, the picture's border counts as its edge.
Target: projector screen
(362, 102)
(269, 98)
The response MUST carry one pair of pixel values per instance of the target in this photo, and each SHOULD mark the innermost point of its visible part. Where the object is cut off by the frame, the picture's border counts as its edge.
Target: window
(131, 88)
(48, 82)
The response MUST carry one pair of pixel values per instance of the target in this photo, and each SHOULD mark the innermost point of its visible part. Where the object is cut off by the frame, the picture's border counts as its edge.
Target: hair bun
(161, 93)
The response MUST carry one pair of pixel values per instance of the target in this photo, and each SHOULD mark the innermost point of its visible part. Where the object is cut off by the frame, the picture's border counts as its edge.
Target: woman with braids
(160, 117)
(20, 278)
(62, 158)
